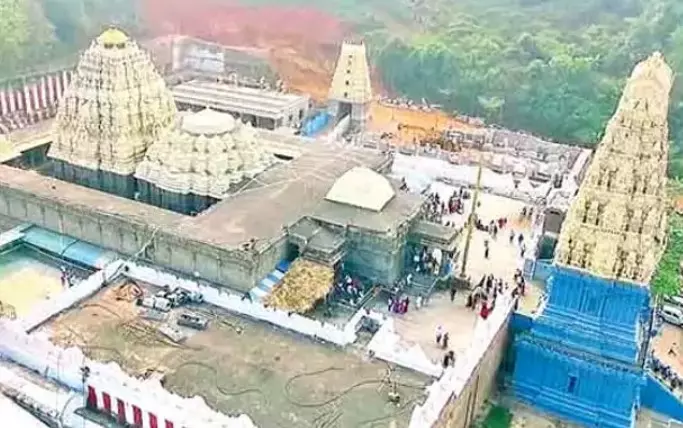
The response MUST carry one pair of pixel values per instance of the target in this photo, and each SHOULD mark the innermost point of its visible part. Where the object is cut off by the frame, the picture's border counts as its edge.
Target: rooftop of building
(240, 366)
(227, 97)
(286, 193)
(258, 209)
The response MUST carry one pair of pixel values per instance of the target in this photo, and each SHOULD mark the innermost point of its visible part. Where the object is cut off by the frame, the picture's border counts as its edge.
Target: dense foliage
(667, 279)
(36, 32)
(552, 67)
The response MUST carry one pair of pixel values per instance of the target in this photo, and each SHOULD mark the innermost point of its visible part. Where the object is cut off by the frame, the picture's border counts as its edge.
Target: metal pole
(470, 221)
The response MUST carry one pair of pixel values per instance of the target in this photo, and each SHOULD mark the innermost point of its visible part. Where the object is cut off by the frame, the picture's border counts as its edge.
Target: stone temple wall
(462, 410)
(237, 269)
(379, 258)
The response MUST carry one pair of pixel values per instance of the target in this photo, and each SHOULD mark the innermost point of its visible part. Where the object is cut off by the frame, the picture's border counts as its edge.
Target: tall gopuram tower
(583, 357)
(351, 90)
(116, 106)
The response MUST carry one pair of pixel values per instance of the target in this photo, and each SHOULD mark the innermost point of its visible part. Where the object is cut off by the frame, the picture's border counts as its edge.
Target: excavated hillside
(302, 42)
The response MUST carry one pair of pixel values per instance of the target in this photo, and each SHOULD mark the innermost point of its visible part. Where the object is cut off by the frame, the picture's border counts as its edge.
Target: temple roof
(204, 154)
(616, 225)
(362, 188)
(112, 36)
(115, 107)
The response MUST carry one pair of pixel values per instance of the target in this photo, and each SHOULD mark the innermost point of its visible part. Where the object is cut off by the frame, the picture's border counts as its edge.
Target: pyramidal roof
(351, 79)
(363, 188)
(204, 154)
(616, 225)
(116, 106)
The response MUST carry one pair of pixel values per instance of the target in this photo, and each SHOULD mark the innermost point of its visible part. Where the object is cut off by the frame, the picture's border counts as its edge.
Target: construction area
(26, 278)
(238, 365)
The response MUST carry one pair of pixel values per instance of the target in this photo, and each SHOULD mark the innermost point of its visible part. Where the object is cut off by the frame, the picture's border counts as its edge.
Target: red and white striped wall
(36, 100)
(123, 411)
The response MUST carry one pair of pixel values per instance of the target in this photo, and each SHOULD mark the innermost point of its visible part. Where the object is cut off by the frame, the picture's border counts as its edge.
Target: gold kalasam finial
(112, 36)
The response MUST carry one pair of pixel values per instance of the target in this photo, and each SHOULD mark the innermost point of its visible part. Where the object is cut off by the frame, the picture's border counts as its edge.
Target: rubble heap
(616, 226)
(302, 286)
(116, 106)
(204, 154)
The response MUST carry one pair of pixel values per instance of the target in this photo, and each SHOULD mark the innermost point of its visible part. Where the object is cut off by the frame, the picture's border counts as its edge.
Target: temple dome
(362, 188)
(204, 154)
(208, 122)
(116, 105)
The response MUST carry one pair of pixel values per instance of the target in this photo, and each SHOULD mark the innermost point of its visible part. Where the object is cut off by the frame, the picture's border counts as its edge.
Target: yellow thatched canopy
(305, 283)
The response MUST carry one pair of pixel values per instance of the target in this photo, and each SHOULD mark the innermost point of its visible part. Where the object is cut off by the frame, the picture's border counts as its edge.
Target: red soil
(303, 42)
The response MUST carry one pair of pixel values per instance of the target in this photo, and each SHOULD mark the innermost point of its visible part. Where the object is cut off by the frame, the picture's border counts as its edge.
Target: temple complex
(583, 357)
(116, 106)
(351, 91)
(206, 180)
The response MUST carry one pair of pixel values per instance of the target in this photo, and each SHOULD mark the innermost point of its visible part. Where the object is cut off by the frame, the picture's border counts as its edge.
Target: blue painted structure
(581, 359)
(68, 248)
(542, 270)
(658, 397)
(520, 323)
(271, 280)
(315, 124)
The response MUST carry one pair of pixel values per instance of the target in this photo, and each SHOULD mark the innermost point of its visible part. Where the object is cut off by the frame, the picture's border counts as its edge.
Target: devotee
(444, 341)
(484, 312)
(439, 334)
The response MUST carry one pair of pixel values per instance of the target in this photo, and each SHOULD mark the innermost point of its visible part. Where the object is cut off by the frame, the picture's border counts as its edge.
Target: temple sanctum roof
(616, 225)
(362, 188)
(116, 106)
(204, 154)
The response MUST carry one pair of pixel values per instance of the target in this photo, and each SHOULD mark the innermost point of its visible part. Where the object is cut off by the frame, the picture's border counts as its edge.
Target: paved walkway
(419, 326)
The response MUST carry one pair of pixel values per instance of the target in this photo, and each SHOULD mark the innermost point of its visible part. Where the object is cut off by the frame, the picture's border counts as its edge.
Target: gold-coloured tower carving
(116, 106)
(616, 226)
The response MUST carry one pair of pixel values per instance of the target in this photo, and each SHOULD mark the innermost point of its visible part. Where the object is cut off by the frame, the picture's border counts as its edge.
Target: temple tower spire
(616, 226)
(116, 106)
(351, 90)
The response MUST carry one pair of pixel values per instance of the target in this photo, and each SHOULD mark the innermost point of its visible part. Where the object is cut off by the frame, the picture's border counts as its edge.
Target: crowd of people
(349, 290)
(666, 373)
(426, 262)
(483, 296)
(438, 207)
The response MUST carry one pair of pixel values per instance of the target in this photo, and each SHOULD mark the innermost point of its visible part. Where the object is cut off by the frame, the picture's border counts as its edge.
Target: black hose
(341, 394)
(214, 372)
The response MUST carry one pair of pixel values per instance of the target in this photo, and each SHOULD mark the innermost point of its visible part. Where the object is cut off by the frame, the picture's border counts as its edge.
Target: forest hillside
(552, 67)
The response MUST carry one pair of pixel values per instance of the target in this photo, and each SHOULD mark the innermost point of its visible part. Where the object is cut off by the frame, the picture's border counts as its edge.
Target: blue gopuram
(582, 360)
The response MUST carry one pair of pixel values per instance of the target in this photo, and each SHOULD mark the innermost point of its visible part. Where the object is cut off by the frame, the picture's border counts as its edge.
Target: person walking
(439, 334)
